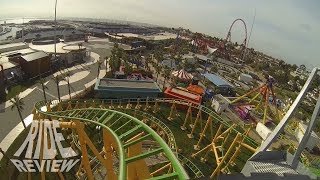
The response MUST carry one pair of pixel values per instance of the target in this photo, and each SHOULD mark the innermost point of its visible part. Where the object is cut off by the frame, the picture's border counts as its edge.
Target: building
(12, 47)
(263, 131)
(124, 88)
(35, 63)
(170, 63)
(301, 72)
(229, 63)
(10, 70)
(224, 87)
(67, 54)
(313, 141)
(11, 64)
(176, 93)
(245, 78)
(219, 103)
(101, 28)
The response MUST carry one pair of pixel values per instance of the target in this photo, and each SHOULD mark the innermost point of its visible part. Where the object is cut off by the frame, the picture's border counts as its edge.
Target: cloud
(305, 27)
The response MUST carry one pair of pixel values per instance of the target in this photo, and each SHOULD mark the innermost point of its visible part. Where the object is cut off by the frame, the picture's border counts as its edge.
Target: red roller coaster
(202, 43)
(228, 38)
(224, 51)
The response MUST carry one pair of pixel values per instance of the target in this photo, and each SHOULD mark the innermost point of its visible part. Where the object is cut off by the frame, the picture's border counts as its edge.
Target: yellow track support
(156, 106)
(138, 106)
(129, 105)
(172, 110)
(202, 134)
(197, 121)
(147, 105)
(217, 170)
(139, 168)
(188, 117)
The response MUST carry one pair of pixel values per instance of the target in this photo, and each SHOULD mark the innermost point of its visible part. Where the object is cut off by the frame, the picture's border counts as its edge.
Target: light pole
(55, 35)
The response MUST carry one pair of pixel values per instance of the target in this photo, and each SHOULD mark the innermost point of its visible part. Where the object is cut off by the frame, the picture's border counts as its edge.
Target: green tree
(214, 69)
(159, 57)
(166, 74)
(107, 62)
(18, 103)
(57, 79)
(80, 45)
(67, 79)
(99, 63)
(128, 68)
(115, 58)
(44, 87)
(148, 61)
(157, 68)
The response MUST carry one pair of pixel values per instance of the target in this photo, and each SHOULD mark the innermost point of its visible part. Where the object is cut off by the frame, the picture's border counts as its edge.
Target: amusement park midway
(151, 102)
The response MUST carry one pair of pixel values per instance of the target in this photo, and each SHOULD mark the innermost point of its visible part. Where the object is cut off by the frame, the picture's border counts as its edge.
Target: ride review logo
(43, 143)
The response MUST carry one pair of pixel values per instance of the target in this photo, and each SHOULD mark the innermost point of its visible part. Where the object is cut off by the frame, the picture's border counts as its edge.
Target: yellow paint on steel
(137, 169)
(247, 94)
(217, 170)
(197, 121)
(208, 124)
(265, 107)
(188, 117)
(107, 148)
(160, 169)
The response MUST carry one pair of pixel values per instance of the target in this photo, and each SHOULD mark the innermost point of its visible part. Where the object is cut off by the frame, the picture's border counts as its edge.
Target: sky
(284, 29)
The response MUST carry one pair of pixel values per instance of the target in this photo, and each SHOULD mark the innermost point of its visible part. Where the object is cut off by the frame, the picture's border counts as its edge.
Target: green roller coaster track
(110, 118)
(104, 117)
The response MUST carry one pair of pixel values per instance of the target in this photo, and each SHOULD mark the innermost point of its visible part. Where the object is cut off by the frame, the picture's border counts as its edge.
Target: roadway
(10, 118)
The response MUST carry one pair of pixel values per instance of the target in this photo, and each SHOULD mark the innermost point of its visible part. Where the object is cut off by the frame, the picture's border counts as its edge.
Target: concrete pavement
(9, 119)
(14, 132)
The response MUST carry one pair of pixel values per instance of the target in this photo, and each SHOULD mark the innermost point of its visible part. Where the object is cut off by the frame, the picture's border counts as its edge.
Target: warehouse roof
(126, 85)
(34, 56)
(217, 80)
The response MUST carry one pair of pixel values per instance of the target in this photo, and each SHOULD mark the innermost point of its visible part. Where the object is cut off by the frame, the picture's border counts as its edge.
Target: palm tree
(99, 62)
(166, 74)
(18, 103)
(107, 62)
(115, 58)
(67, 75)
(159, 57)
(38, 36)
(147, 62)
(57, 79)
(80, 45)
(158, 70)
(44, 87)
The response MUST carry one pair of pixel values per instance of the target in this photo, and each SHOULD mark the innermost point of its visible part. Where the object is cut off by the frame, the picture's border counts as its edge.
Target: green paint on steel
(123, 125)
(104, 115)
(122, 163)
(130, 131)
(166, 176)
(144, 155)
(206, 110)
(109, 118)
(136, 141)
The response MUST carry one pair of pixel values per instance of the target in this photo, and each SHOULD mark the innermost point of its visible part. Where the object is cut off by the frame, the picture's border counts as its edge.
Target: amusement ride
(170, 138)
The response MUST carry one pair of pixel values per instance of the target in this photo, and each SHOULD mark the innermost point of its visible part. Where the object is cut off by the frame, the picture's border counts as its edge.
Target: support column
(198, 120)
(173, 108)
(188, 116)
(202, 134)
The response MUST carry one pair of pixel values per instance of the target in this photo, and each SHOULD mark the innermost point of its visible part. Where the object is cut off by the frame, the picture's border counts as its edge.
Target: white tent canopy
(182, 74)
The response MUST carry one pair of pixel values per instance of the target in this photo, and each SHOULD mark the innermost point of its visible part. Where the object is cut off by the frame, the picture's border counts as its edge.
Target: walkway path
(11, 125)
(9, 119)
(13, 134)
